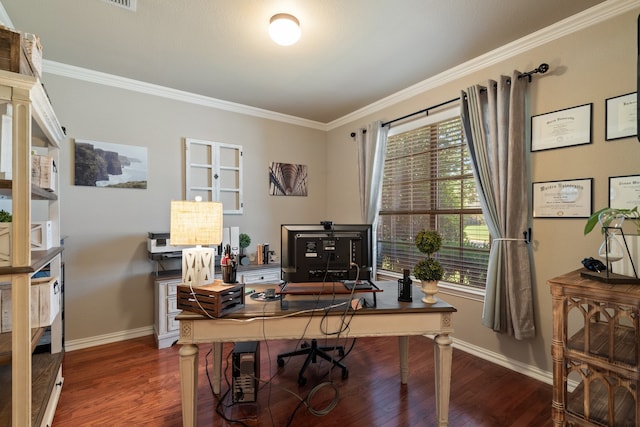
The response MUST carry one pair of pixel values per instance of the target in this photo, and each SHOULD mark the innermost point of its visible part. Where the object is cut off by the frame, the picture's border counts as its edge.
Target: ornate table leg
(442, 354)
(189, 383)
(217, 366)
(403, 346)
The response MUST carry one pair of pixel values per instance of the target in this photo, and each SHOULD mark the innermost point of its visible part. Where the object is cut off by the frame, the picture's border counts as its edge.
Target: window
(213, 171)
(428, 183)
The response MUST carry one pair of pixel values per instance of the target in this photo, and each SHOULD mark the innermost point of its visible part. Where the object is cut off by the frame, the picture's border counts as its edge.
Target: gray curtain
(494, 125)
(372, 145)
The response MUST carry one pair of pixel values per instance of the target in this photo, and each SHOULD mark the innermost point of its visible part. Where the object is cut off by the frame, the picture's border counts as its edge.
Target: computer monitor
(326, 252)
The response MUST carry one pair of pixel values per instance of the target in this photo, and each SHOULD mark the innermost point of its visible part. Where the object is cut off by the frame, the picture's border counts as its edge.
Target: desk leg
(217, 367)
(403, 346)
(443, 355)
(189, 383)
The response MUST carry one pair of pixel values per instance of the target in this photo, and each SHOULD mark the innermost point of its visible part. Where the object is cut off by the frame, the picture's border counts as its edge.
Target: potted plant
(244, 241)
(616, 244)
(606, 216)
(428, 271)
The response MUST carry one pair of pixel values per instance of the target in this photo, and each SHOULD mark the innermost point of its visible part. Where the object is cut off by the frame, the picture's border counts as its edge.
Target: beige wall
(586, 67)
(108, 284)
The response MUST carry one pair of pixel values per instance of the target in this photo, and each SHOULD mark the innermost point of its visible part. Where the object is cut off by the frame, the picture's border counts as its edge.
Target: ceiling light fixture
(284, 29)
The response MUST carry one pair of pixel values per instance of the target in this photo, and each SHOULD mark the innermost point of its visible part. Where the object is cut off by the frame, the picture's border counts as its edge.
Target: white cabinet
(166, 308)
(36, 380)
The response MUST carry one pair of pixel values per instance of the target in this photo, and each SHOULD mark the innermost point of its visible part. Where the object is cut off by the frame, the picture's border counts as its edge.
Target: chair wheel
(304, 345)
(302, 381)
(280, 362)
(345, 373)
(341, 352)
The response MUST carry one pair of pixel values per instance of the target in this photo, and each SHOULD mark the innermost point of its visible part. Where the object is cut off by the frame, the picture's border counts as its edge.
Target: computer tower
(246, 371)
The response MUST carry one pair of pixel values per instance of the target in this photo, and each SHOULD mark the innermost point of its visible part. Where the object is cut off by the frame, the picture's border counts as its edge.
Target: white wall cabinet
(213, 171)
(34, 127)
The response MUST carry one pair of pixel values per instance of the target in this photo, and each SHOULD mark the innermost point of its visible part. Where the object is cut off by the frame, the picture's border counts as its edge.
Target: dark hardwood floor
(133, 383)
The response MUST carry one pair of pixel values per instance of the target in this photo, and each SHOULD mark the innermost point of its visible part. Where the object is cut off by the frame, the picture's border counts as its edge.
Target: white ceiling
(351, 54)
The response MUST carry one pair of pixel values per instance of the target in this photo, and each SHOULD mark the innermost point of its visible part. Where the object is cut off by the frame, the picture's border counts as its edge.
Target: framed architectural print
(562, 128)
(563, 199)
(621, 116)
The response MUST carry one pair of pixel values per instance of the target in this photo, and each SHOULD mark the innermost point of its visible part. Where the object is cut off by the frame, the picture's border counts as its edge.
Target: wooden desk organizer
(214, 300)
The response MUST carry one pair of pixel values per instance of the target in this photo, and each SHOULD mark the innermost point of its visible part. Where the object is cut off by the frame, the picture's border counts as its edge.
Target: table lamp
(196, 223)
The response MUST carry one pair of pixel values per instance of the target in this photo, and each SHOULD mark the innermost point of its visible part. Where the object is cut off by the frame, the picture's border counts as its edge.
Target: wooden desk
(258, 320)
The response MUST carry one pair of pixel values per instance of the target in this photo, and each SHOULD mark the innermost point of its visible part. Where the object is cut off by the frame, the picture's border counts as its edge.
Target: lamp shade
(196, 223)
(284, 29)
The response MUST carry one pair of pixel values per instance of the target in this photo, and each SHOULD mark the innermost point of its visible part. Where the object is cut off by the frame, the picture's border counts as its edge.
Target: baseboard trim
(107, 338)
(499, 359)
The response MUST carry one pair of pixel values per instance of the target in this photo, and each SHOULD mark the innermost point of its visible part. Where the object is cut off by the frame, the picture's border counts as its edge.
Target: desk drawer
(172, 305)
(262, 276)
(172, 323)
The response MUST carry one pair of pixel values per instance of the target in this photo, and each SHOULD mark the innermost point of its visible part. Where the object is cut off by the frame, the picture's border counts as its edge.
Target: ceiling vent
(125, 4)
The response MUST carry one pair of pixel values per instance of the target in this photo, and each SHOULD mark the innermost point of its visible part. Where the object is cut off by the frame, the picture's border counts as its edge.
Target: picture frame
(624, 191)
(621, 116)
(562, 128)
(109, 165)
(563, 199)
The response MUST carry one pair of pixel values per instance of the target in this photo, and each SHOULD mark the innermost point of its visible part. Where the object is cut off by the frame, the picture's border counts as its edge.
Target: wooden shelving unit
(595, 351)
(30, 384)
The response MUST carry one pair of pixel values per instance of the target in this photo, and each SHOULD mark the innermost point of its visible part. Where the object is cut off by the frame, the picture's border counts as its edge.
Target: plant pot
(429, 288)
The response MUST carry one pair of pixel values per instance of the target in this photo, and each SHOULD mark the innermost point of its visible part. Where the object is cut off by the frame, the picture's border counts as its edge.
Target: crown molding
(592, 16)
(98, 77)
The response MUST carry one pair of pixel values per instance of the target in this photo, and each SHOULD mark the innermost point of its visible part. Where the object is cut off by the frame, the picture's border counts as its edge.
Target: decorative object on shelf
(197, 223)
(245, 241)
(428, 270)
(614, 247)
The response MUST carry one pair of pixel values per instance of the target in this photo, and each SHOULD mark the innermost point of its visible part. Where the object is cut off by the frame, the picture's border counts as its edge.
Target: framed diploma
(562, 128)
(621, 116)
(563, 199)
(624, 192)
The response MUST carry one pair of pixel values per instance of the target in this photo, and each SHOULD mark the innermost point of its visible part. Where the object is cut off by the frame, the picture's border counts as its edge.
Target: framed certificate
(624, 192)
(562, 128)
(563, 199)
(621, 116)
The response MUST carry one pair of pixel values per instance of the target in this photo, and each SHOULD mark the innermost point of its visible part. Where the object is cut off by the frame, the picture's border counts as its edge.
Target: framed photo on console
(563, 199)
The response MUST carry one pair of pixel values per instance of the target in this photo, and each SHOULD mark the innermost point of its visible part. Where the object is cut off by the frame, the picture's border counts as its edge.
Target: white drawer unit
(267, 273)
(166, 309)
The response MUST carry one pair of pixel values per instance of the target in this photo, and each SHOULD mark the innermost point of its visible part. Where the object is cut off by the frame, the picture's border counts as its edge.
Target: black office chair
(313, 351)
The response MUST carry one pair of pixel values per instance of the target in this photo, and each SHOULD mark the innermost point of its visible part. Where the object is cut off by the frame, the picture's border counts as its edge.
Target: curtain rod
(543, 68)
